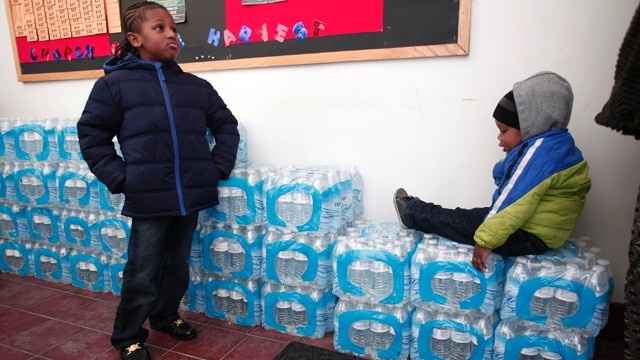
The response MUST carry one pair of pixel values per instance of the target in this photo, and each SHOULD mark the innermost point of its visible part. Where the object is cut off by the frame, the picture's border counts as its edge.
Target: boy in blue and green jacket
(542, 182)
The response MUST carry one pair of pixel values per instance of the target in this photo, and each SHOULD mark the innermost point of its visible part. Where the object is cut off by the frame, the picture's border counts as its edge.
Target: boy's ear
(134, 39)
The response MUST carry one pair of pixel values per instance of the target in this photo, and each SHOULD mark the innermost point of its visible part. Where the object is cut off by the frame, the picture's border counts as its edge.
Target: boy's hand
(479, 259)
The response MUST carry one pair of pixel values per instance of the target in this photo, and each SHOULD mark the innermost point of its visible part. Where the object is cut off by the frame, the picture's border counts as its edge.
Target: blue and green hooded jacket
(542, 183)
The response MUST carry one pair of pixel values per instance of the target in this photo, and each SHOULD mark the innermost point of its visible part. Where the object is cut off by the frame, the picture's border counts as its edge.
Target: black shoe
(178, 329)
(135, 351)
(400, 201)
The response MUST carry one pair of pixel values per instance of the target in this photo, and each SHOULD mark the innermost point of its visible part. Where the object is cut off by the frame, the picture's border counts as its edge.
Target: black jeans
(155, 277)
(460, 225)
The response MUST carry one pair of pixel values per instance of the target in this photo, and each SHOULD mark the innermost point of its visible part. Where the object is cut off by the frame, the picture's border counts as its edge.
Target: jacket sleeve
(496, 228)
(98, 125)
(224, 128)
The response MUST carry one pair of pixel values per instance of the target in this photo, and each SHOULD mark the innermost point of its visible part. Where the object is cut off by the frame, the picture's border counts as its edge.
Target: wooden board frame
(461, 47)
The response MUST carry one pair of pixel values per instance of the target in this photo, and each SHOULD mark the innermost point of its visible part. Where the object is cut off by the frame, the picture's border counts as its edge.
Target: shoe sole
(395, 205)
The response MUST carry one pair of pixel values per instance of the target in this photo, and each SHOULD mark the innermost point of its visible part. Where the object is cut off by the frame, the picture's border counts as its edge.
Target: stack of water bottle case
(285, 249)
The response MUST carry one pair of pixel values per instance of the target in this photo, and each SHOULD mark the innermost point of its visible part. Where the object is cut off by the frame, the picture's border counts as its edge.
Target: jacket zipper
(174, 138)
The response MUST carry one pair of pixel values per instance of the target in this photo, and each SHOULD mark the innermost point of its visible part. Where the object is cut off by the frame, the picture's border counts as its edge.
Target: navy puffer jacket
(160, 117)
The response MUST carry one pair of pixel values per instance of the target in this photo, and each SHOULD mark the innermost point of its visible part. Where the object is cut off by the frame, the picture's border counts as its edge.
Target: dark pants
(155, 277)
(460, 225)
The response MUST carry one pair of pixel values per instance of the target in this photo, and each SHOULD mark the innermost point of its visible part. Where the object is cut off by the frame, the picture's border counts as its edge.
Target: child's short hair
(131, 19)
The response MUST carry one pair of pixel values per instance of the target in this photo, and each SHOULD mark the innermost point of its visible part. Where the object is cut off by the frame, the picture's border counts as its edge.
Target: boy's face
(508, 137)
(157, 39)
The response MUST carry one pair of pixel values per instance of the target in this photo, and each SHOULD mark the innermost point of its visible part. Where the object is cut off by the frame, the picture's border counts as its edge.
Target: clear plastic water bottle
(238, 303)
(541, 301)
(239, 200)
(6, 224)
(47, 264)
(515, 277)
(222, 301)
(283, 313)
(441, 283)
(564, 303)
(31, 142)
(196, 278)
(185, 301)
(93, 275)
(359, 275)
(42, 226)
(71, 143)
(302, 207)
(589, 258)
(284, 264)
(380, 338)
(284, 208)
(298, 314)
(237, 256)
(607, 269)
(224, 199)
(66, 267)
(221, 253)
(359, 333)
(299, 265)
(599, 283)
(8, 169)
(381, 279)
(461, 286)
(440, 340)
(460, 345)
(82, 271)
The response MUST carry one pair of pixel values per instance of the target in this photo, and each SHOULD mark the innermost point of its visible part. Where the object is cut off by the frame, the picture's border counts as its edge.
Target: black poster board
(411, 28)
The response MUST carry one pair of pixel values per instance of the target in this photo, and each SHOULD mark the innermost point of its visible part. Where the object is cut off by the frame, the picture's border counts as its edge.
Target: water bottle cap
(597, 268)
(460, 336)
(595, 250)
(530, 351)
(299, 256)
(458, 276)
(222, 292)
(360, 325)
(566, 295)
(379, 327)
(441, 333)
(378, 266)
(220, 245)
(281, 304)
(236, 295)
(545, 292)
(572, 266)
(235, 247)
(360, 265)
(603, 262)
(443, 275)
(296, 306)
(286, 254)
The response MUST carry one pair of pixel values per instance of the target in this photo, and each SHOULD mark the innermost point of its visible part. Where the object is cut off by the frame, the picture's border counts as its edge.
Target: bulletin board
(71, 39)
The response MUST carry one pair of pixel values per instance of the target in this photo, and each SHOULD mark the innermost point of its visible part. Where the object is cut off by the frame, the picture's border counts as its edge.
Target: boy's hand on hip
(479, 259)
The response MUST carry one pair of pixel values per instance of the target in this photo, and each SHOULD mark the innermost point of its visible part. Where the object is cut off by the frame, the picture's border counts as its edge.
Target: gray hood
(544, 103)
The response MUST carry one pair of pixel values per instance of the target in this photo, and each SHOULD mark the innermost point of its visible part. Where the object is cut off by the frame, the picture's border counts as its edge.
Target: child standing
(542, 182)
(167, 172)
